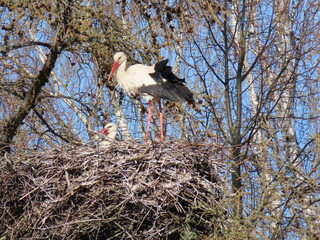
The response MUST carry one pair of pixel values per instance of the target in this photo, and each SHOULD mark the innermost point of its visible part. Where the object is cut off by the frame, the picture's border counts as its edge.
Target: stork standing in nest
(152, 83)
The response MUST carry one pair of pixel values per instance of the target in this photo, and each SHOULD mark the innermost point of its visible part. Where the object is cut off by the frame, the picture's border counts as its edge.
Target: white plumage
(106, 135)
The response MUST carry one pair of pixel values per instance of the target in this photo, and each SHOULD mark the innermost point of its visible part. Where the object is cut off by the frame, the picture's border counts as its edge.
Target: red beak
(104, 131)
(113, 70)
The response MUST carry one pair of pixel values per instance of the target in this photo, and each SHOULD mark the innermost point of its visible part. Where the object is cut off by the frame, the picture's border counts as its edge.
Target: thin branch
(4, 49)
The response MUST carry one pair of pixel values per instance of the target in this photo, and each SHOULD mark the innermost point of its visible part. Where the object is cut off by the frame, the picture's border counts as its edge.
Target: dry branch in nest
(128, 191)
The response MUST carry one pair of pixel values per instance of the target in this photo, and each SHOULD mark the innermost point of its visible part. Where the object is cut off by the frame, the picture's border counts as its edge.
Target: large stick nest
(129, 191)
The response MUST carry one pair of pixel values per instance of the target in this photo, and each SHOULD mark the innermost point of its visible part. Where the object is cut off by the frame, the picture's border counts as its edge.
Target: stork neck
(112, 135)
(121, 71)
(122, 67)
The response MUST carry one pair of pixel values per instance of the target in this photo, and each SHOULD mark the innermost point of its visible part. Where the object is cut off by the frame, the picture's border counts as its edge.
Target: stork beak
(104, 131)
(113, 70)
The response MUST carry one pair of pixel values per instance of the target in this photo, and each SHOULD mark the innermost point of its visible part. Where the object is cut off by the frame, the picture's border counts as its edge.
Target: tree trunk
(238, 26)
(237, 182)
(11, 125)
(270, 198)
(121, 120)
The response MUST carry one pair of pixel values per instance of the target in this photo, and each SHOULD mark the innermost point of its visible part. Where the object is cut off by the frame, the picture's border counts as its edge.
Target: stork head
(110, 130)
(119, 58)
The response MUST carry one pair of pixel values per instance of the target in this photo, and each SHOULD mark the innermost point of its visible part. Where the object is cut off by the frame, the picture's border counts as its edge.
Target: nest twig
(128, 191)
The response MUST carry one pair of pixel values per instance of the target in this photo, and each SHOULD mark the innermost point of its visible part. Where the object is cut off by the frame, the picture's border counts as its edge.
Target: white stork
(108, 134)
(152, 83)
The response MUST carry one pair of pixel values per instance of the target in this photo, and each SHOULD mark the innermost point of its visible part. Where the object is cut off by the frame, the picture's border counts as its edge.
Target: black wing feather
(166, 72)
(172, 89)
(159, 66)
(157, 77)
(169, 91)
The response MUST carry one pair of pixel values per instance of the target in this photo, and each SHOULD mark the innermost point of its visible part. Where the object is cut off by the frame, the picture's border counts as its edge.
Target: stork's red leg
(161, 122)
(149, 120)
